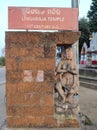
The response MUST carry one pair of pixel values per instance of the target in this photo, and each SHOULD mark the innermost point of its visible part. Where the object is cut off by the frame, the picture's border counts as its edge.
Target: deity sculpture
(67, 84)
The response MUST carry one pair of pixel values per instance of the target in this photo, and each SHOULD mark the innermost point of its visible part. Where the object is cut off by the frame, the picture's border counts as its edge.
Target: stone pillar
(30, 78)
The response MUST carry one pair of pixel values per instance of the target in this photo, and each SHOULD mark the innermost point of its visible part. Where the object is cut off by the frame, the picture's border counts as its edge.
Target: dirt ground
(88, 103)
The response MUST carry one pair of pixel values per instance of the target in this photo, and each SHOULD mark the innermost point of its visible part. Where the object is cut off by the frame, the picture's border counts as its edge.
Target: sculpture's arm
(59, 68)
(74, 70)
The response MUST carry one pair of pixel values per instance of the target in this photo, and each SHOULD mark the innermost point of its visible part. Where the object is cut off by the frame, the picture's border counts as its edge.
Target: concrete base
(88, 77)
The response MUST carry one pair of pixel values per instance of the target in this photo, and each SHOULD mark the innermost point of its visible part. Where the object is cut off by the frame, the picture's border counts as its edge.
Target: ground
(88, 103)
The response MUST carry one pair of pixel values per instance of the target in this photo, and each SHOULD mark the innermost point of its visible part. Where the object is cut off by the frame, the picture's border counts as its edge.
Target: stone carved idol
(67, 84)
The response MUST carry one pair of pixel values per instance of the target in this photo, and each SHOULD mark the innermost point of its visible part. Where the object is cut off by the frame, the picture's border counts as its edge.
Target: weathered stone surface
(28, 87)
(28, 39)
(30, 66)
(30, 111)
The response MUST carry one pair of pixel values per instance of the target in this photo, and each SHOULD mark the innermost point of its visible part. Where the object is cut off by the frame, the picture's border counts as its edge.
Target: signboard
(33, 18)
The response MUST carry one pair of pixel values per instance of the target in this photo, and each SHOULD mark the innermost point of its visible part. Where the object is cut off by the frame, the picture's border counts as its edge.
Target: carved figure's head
(68, 54)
